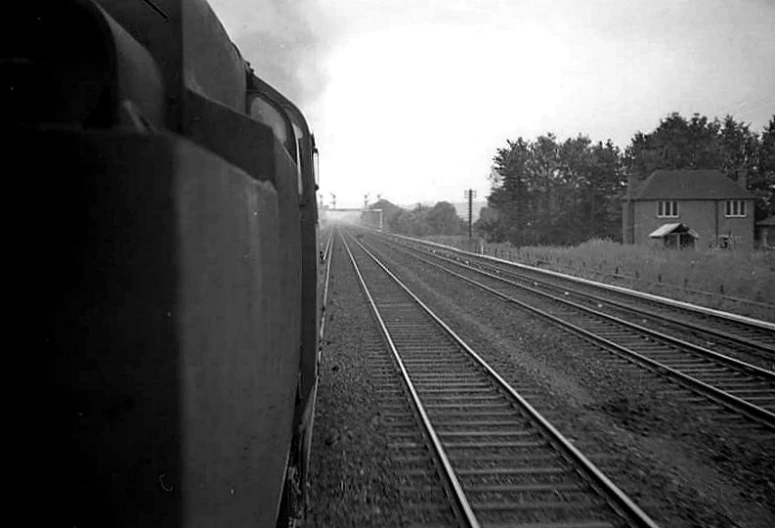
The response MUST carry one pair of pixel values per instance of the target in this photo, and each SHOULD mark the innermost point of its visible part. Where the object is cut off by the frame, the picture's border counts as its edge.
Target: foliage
(699, 143)
(441, 219)
(546, 191)
(762, 182)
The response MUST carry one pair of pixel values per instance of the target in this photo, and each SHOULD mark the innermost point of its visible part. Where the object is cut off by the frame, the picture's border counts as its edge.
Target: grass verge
(741, 282)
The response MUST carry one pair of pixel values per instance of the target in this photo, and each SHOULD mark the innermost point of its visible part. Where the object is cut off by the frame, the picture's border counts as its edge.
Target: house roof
(678, 227)
(690, 185)
(769, 221)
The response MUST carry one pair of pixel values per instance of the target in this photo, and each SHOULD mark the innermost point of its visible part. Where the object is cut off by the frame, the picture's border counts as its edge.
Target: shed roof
(677, 227)
(769, 221)
(690, 185)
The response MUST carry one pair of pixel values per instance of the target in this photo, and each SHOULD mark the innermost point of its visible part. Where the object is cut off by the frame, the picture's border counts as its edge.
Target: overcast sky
(411, 98)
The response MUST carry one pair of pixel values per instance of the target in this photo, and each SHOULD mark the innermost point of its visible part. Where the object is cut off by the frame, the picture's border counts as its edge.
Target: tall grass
(737, 281)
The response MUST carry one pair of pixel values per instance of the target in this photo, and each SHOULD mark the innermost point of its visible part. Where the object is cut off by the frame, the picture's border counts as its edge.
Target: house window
(668, 209)
(735, 208)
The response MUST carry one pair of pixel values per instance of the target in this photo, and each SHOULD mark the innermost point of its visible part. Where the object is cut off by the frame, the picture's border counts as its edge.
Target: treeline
(547, 191)
(441, 219)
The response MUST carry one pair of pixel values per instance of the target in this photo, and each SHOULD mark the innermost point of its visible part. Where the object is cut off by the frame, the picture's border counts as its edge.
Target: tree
(696, 143)
(545, 169)
(442, 219)
(389, 212)
(699, 143)
(606, 185)
(738, 146)
(762, 181)
(547, 192)
(677, 143)
(488, 224)
(509, 196)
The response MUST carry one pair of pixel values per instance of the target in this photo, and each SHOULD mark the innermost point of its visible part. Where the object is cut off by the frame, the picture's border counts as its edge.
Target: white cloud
(415, 96)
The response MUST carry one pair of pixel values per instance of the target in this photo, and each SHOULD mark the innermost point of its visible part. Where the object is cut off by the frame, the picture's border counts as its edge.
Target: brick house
(766, 229)
(715, 209)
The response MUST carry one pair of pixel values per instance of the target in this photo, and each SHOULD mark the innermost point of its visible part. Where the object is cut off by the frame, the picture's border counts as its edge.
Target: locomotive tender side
(180, 324)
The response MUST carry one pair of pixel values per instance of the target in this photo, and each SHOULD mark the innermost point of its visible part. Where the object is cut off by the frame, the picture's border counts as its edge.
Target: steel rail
(329, 244)
(632, 511)
(754, 412)
(759, 371)
(460, 496)
(737, 339)
(765, 325)
(327, 282)
(720, 334)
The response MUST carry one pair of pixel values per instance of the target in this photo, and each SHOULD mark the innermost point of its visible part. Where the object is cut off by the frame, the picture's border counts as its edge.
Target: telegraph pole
(333, 201)
(470, 194)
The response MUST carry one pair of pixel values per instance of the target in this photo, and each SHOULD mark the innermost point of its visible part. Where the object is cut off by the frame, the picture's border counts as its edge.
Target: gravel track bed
(684, 465)
(555, 286)
(358, 475)
(749, 386)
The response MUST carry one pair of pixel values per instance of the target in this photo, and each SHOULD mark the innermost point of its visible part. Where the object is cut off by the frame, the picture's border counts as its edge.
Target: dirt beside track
(352, 482)
(684, 465)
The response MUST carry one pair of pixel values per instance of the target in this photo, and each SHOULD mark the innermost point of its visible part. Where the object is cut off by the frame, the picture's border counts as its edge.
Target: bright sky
(411, 98)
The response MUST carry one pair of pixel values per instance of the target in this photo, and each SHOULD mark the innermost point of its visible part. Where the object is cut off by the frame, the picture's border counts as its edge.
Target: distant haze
(410, 100)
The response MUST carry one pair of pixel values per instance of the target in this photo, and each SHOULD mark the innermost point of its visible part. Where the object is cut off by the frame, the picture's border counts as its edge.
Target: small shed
(675, 235)
(765, 231)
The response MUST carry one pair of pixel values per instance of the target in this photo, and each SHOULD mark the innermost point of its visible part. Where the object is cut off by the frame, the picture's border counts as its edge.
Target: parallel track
(504, 463)
(738, 333)
(746, 388)
(424, 494)
(326, 258)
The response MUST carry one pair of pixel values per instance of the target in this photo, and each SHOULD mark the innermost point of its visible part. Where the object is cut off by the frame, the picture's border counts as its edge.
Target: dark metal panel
(159, 31)
(235, 137)
(172, 331)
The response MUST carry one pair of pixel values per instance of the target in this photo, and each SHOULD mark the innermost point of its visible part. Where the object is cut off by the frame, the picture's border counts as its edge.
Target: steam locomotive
(172, 224)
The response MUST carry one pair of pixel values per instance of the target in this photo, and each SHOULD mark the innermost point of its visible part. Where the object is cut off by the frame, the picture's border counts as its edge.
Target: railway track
(499, 461)
(746, 388)
(734, 333)
(325, 258)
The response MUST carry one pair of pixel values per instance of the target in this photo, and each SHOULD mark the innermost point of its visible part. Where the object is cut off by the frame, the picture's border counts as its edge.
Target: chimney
(742, 178)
